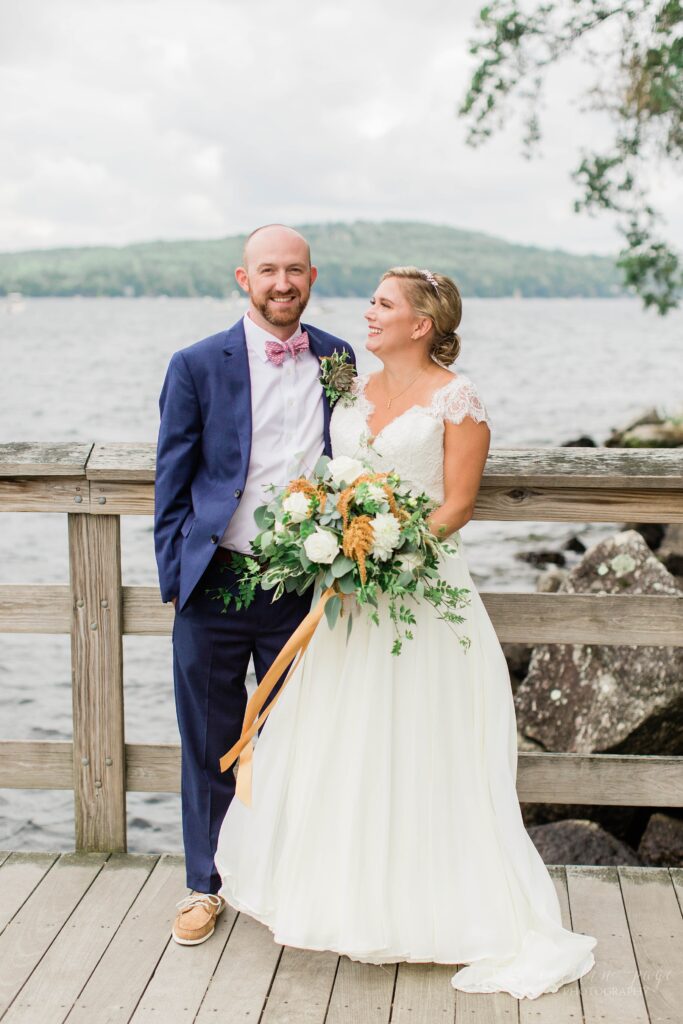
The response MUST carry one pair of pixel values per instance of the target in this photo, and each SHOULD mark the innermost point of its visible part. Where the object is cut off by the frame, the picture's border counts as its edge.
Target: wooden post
(97, 682)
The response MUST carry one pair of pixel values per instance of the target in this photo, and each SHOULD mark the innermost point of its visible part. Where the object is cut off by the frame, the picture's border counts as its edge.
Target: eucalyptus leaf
(347, 584)
(332, 609)
(342, 565)
(321, 465)
(263, 517)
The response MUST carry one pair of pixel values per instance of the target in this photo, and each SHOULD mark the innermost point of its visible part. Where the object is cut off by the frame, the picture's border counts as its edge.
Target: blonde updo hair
(443, 307)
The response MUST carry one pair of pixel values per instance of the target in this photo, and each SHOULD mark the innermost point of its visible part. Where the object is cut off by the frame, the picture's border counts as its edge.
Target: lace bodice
(412, 443)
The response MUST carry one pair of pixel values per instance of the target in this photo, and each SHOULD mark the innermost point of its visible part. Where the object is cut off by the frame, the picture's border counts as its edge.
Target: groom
(240, 410)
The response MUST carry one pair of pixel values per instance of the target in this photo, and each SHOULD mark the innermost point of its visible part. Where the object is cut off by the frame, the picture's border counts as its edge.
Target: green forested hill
(350, 258)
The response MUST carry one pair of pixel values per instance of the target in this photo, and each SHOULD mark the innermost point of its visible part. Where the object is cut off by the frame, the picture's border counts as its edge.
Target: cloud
(127, 120)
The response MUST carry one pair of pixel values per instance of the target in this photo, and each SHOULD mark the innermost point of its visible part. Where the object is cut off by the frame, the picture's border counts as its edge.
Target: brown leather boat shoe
(196, 918)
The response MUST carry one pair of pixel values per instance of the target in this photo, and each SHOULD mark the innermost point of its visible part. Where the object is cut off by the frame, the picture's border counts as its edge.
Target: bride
(385, 823)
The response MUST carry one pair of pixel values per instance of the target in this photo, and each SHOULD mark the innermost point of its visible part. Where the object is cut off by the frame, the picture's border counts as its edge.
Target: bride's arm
(466, 447)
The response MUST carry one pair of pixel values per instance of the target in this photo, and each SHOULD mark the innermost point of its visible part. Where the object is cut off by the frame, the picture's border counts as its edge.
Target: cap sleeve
(460, 398)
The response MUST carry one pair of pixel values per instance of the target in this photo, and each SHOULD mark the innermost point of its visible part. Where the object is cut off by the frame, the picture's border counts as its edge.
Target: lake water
(548, 370)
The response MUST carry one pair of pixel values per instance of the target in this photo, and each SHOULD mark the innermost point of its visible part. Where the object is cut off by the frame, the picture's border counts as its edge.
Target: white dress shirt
(287, 436)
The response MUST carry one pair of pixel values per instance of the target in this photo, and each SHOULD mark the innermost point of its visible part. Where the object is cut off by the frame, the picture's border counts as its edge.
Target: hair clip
(428, 276)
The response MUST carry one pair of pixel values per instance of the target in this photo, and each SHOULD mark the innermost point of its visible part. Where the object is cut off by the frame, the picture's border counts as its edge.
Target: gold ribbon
(243, 750)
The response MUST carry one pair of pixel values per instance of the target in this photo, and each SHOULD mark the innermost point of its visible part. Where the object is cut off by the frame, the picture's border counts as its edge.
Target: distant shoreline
(350, 259)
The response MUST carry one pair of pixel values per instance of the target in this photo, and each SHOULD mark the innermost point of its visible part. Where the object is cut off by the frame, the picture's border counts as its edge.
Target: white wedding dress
(385, 823)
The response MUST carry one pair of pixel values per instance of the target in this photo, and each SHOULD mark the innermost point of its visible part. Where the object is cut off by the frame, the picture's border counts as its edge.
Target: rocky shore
(587, 698)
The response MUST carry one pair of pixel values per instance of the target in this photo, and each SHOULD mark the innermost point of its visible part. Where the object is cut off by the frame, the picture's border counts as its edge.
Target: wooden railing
(96, 483)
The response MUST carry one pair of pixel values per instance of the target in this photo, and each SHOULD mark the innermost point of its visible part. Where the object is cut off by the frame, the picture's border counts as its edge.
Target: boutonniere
(336, 376)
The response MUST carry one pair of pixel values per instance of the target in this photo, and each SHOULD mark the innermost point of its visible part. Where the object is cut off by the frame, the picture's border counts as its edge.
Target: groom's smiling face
(277, 274)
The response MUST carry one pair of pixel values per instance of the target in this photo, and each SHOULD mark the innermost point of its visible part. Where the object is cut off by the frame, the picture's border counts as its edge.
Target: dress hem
(366, 958)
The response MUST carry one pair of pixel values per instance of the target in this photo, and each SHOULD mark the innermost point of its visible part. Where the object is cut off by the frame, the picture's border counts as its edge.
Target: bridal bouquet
(359, 532)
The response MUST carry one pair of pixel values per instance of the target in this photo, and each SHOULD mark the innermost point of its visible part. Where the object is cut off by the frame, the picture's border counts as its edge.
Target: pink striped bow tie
(277, 351)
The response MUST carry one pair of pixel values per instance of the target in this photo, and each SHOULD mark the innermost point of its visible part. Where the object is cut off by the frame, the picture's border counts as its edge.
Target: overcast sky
(129, 120)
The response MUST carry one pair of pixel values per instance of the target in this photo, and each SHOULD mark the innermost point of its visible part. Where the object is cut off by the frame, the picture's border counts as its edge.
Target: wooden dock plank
(117, 983)
(563, 1006)
(611, 990)
(486, 1008)
(19, 875)
(42, 916)
(362, 993)
(239, 987)
(56, 982)
(178, 986)
(656, 927)
(424, 994)
(300, 993)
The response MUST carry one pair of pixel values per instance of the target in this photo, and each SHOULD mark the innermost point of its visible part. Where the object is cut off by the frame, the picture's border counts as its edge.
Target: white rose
(386, 535)
(279, 527)
(322, 546)
(297, 505)
(344, 470)
(410, 561)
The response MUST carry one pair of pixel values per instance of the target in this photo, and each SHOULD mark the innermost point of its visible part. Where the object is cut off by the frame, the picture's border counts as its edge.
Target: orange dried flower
(357, 540)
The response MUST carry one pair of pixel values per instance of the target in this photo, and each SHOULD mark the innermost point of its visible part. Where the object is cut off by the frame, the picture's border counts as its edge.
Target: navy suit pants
(211, 651)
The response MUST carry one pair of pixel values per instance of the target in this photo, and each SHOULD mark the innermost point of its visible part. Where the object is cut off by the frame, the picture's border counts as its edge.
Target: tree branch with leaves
(637, 47)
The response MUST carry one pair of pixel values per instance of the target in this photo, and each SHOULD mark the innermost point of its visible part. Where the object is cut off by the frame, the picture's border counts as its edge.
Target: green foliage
(350, 257)
(639, 86)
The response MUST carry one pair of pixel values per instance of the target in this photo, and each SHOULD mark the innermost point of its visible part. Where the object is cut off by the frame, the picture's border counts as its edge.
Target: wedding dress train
(385, 823)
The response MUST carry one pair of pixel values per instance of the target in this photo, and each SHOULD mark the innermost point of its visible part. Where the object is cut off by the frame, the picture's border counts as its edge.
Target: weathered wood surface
(568, 504)
(21, 873)
(505, 467)
(45, 494)
(525, 503)
(40, 919)
(37, 458)
(87, 940)
(35, 608)
(123, 973)
(543, 484)
(55, 983)
(122, 460)
(643, 620)
(97, 687)
(645, 780)
(656, 928)
(612, 987)
(647, 620)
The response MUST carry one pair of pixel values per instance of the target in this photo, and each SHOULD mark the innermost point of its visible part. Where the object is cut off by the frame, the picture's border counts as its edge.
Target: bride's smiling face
(392, 321)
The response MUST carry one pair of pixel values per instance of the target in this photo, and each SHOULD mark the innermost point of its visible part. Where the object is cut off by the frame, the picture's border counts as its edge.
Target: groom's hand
(173, 601)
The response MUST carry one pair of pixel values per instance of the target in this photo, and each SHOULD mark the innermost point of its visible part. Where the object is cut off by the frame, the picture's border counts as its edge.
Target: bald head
(272, 239)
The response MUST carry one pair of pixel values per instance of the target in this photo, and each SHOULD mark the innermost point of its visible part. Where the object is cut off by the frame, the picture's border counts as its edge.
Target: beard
(281, 317)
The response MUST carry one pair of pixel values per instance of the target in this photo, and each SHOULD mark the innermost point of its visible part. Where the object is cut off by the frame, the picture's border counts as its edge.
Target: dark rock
(580, 442)
(670, 550)
(517, 657)
(578, 841)
(575, 544)
(619, 699)
(541, 557)
(662, 841)
(625, 823)
(674, 563)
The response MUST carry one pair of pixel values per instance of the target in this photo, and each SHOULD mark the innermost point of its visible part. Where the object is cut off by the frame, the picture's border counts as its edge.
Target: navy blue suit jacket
(204, 448)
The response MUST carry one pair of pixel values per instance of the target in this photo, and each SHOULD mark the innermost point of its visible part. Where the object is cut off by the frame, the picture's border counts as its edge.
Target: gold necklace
(394, 397)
